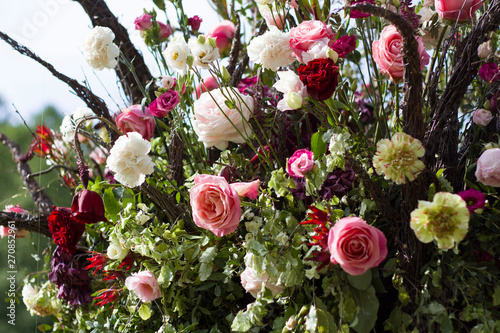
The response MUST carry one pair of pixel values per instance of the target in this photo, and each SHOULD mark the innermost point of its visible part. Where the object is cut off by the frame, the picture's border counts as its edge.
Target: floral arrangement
(303, 166)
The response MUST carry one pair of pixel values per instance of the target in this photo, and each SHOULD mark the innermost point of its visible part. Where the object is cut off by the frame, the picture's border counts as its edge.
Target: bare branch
(33, 223)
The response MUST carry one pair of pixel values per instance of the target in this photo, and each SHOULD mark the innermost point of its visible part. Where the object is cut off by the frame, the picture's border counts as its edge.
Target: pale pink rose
(207, 84)
(356, 245)
(488, 167)
(457, 10)
(249, 190)
(308, 33)
(387, 53)
(216, 206)
(4, 231)
(132, 119)
(482, 117)
(300, 163)
(144, 285)
(252, 282)
(223, 33)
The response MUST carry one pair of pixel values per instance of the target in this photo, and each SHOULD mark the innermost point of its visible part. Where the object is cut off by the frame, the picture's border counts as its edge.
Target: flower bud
(225, 74)
(332, 55)
(294, 100)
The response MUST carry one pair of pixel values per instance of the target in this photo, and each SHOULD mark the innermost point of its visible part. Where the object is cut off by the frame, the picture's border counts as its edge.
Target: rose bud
(88, 207)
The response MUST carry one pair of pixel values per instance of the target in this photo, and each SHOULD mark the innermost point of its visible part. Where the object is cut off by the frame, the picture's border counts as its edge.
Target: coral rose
(356, 245)
(144, 285)
(133, 119)
(488, 167)
(216, 205)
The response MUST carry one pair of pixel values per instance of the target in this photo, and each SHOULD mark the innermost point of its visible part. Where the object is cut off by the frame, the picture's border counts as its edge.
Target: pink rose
(387, 53)
(488, 167)
(300, 163)
(356, 245)
(132, 119)
(216, 205)
(489, 72)
(143, 22)
(207, 84)
(249, 190)
(252, 282)
(308, 33)
(144, 285)
(161, 106)
(482, 117)
(457, 10)
(223, 33)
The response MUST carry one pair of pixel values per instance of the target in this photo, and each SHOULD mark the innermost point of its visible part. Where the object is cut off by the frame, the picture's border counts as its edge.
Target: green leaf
(144, 312)
(241, 322)
(111, 204)
(318, 146)
(496, 296)
(160, 4)
(361, 282)
(366, 315)
(44, 328)
(208, 255)
(205, 271)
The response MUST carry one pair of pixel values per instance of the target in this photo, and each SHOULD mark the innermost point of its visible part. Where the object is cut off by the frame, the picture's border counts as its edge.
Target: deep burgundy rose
(161, 106)
(344, 45)
(66, 231)
(321, 78)
(88, 207)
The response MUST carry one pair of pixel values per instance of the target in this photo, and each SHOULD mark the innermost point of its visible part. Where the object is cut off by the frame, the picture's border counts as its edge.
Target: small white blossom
(99, 50)
(69, 123)
(204, 51)
(176, 55)
(290, 82)
(116, 251)
(271, 50)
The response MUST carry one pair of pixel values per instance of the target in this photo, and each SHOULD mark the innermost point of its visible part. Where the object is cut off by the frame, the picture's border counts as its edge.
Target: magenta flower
(489, 72)
(475, 200)
(161, 106)
(300, 163)
(357, 13)
(195, 22)
(344, 45)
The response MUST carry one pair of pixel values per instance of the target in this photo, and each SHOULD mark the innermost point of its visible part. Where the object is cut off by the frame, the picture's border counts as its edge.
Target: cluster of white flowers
(129, 159)
(69, 123)
(293, 89)
(99, 49)
(271, 50)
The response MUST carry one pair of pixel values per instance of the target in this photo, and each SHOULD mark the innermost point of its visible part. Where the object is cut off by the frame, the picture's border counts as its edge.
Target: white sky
(55, 30)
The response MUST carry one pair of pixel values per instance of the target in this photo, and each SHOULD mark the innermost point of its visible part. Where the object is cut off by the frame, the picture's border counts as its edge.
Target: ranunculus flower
(195, 22)
(387, 53)
(482, 117)
(88, 207)
(215, 123)
(129, 159)
(290, 82)
(144, 285)
(223, 34)
(252, 282)
(474, 199)
(247, 189)
(176, 54)
(271, 50)
(168, 82)
(457, 10)
(162, 105)
(321, 78)
(300, 163)
(356, 245)
(488, 167)
(65, 230)
(99, 50)
(216, 206)
(489, 72)
(344, 45)
(133, 119)
(307, 33)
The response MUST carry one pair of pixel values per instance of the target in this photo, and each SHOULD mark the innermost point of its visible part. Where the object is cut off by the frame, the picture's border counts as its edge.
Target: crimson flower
(344, 45)
(98, 261)
(127, 262)
(321, 78)
(88, 207)
(65, 230)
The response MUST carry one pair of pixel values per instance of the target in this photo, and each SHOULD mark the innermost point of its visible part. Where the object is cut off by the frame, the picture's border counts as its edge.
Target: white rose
(271, 50)
(99, 50)
(252, 282)
(176, 55)
(116, 251)
(215, 123)
(289, 82)
(129, 159)
(203, 53)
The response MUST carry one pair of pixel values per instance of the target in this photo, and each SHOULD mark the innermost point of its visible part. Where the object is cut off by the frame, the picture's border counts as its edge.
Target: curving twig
(34, 223)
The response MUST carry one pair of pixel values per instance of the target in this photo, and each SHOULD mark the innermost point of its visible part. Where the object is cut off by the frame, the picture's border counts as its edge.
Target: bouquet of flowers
(303, 166)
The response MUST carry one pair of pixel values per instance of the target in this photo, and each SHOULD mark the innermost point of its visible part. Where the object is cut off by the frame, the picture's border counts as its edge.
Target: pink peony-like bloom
(207, 84)
(474, 199)
(387, 53)
(144, 285)
(161, 106)
(247, 189)
(488, 167)
(344, 45)
(356, 245)
(489, 72)
(300, 163)
(216, 205)
(252, 282)
(133, 119)
(457, 10)
(303, 36)
(143, 22)
(482, 117)
(223, 33)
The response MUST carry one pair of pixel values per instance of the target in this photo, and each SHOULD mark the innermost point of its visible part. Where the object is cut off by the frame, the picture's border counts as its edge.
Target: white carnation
(176, 55)
(99, 49)
(129, 159)
(271, 50)
(203, 53)
(290, 82)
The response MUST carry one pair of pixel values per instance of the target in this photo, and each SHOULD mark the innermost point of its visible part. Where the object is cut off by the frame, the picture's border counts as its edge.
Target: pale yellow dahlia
(397, 158)
(445, 220)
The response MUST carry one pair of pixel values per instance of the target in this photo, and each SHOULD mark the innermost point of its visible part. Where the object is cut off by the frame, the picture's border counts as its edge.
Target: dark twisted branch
(100, 15)
(33, 223)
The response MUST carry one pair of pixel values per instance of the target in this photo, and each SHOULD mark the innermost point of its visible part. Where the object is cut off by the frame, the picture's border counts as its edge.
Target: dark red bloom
(489, 72)
(107, 296)
(88, 207)
(321, 78)
(344, 45)
(321, 219)
(195, 22)
(475, 199)
(66, 231)
(98, 261)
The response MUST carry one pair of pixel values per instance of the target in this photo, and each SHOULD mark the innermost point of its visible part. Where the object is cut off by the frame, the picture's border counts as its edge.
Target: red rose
(321, 78)
(65, 230)
(88, 207)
